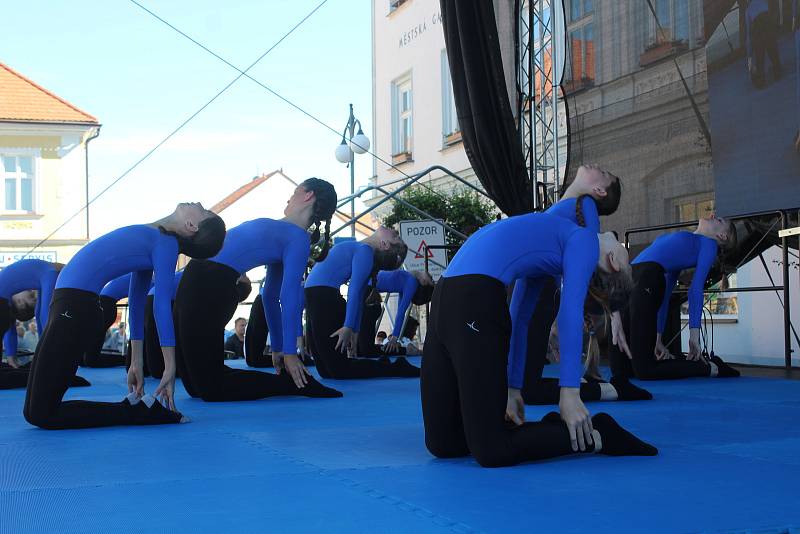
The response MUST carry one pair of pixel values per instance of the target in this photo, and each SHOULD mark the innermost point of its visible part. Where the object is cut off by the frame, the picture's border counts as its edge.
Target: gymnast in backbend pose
(26, 288)
(465, 367)
(207, 298)
(412, 287)
(591, 194)
(149, 251)
(655, 272)
(255, 335)
(112, 292)
(153, 358)
(333, 324)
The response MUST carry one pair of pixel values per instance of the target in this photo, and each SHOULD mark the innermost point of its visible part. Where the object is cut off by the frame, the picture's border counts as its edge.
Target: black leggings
(325, 313)
(640, 320)
(464, 380)
(153, 357)
(95, 357)
(205, 302)
(366, 335)
(74, 316)
(255, 336)
(535, 388)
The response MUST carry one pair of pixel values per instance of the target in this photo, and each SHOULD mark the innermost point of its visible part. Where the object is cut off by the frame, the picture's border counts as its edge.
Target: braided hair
(324, 206)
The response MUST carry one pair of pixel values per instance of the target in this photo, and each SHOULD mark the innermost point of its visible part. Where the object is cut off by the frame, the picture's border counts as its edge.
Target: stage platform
(729, 461)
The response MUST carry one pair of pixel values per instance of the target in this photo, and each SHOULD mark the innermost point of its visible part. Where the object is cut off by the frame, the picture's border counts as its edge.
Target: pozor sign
(418, 234)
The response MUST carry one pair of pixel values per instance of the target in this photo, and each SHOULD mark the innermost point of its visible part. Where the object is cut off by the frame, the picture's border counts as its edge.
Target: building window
(579, 9)
(18, 182)
(693, 208)
(402, 119)
(580, 71)
(673, 15)
(394, 4)
(451, 133)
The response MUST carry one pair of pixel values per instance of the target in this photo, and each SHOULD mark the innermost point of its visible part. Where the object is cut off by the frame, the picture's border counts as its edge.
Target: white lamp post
(345, 153)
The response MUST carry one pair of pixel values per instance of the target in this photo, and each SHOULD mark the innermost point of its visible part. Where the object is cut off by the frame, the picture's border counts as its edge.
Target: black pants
(366, 335)
(255, 336)
(153, 357)
(10, 377)
(95, 357)
(640, 321)
(764, 36)
(325, 313)
(205, 302)
(74, 314)
(464, 381)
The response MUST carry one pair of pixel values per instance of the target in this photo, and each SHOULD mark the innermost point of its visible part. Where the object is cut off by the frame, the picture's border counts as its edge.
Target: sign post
(418, 235)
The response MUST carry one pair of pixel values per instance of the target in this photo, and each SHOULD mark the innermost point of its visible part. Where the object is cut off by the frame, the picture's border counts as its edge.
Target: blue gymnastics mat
(728, 462)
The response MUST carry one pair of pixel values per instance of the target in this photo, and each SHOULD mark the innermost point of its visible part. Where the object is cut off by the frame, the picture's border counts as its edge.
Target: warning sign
(422, 250)
(419, 235)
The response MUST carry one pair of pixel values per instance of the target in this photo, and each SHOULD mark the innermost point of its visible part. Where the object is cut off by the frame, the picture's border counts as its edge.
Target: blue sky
(141, 79)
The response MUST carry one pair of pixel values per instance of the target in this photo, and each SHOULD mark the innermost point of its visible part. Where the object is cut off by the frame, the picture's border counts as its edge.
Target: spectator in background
(20, 336)
(31, 338)
(235, 343)
(380, 337)
(116, 341)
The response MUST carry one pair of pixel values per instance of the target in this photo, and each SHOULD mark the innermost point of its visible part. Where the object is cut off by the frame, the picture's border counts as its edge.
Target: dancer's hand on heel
(277, 362)
(577, 418)
(165, 391)
(515, 407)
(695, 353)
(136, 380)
(296, 370)
(344, 335)
(618, 334)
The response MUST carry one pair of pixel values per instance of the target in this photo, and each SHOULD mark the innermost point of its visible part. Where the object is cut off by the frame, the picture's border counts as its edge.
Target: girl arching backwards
(593, 193)
(465, 367)
(334, 324)
(207, 298)
(149, 251)
(655, 272)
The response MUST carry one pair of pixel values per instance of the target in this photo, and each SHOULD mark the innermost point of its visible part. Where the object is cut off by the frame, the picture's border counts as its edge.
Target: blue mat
(728, 462)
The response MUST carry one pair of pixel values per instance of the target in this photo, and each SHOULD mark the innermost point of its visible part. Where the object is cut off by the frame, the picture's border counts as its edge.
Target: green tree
(462, 209)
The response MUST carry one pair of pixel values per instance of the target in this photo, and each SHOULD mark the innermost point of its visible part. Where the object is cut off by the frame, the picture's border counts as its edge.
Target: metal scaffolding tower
(539, 95)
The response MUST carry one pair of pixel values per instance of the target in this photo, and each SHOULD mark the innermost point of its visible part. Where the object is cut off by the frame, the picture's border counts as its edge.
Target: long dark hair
(324, 208)
(387, 260)
(609, 203)
(206, 242)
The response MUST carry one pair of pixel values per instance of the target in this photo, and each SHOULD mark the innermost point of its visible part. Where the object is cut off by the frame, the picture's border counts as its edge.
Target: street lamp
(345, 153)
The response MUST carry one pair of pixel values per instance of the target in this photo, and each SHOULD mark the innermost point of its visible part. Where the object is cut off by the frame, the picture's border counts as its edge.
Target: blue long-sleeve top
(24, 275)
(283, 247)
(566, 209)
(675, 252)
(177, 280)
(754, 9)
(350, 260)
(403, 283)
(529, 248)
(145, 252)
(118, 288)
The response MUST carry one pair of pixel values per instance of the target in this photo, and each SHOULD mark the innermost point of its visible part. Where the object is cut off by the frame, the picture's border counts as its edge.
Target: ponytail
(326, 241)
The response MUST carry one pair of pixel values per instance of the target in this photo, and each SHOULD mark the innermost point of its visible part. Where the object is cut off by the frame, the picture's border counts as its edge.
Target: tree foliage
(462, 209)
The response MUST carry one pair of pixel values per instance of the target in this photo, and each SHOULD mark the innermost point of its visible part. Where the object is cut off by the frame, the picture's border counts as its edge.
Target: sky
(141, 80)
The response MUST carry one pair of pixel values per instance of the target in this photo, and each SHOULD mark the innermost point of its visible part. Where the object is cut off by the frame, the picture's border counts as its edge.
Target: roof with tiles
(22, 100)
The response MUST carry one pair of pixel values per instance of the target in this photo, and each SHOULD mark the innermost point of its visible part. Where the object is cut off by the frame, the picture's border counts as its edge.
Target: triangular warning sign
(421, 249)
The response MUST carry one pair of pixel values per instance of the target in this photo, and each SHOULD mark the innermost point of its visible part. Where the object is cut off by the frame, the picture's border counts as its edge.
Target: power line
(179, 128)
(272, 91)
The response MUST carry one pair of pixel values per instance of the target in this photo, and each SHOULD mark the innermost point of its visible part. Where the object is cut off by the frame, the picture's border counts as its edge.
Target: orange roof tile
(21, 100)
(242, 191)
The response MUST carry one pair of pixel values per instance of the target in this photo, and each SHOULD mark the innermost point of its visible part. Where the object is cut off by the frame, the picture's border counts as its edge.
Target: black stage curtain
(484, 113)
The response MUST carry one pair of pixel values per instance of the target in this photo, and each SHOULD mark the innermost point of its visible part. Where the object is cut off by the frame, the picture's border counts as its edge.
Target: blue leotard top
(675, 252)
(118, 288)
(22, 276)
(284, 248)
(566, 209)
(405, 285)
(144, 251)
(178, 277)
(350, 260)
(529, 248)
